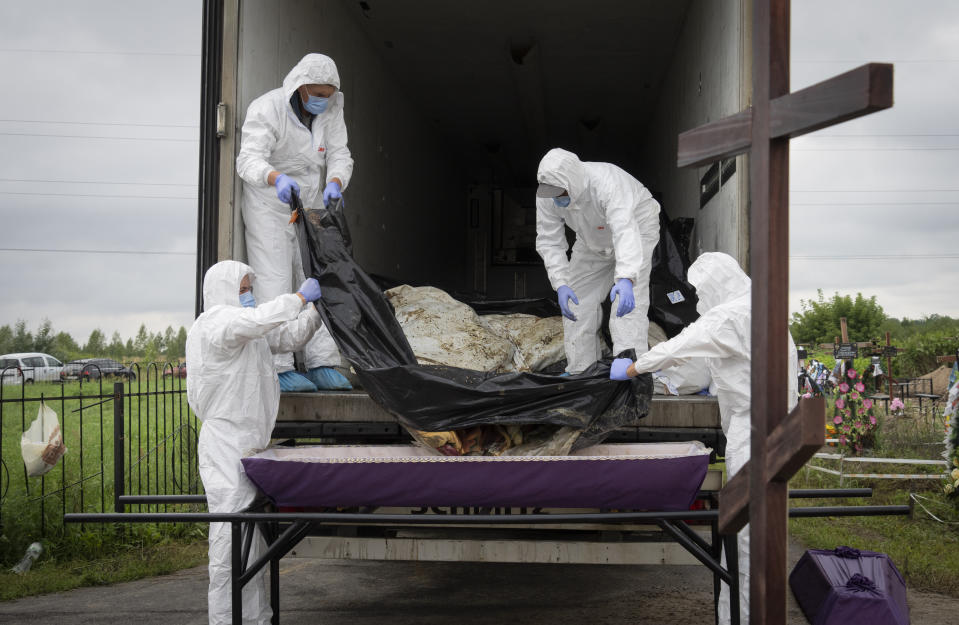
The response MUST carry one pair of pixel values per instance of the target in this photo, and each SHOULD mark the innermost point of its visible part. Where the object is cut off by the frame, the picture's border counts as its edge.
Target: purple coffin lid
(643, 476)
(821, 584)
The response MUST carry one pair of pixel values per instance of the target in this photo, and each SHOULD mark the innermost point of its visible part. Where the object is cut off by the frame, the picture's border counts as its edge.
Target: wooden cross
(780, 444)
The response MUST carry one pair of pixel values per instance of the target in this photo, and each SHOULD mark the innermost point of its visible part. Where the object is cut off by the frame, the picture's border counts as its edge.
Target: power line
(106, 52)
(66, 251)
(152, 184)
(142, 197)
(873, 204)
(879, 257)
(878, 134)
(874, 149)
(41, 121)
(33, 134)
(874, 190)
(863, 61)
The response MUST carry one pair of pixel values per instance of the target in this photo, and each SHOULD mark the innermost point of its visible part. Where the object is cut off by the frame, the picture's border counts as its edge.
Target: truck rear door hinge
(221, 119)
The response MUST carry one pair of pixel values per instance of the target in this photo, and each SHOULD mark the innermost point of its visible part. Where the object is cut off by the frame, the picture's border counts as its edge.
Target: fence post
(118, 440)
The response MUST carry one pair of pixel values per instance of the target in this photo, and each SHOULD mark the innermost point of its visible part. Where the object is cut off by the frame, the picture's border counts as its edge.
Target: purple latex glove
(565, 294)
(623, 288)
(331, 192)
(617, 370)
(284, 186)
(310, 290)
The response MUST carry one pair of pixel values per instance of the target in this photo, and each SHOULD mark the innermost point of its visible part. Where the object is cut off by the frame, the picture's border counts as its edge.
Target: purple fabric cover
(578, 481)
(849, 587)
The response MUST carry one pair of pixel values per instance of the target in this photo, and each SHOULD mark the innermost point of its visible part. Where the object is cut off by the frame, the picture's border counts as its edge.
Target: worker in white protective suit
(293, 140)
(722, 338)
(616, 221)
(233, 389)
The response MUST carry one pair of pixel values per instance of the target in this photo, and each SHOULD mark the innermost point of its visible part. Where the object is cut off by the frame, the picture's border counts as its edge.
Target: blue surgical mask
(561, 201)
(247, 300)
(316, 105)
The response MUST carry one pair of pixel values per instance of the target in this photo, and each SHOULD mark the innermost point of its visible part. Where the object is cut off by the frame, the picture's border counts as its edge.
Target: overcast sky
(98, 151)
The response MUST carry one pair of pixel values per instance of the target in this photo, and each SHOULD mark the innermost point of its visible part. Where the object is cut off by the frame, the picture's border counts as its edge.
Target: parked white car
(29, 367)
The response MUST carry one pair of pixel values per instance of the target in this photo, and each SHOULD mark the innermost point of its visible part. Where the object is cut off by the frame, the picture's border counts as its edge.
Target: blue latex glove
(623, 288)
(617, 371)
(331, 192)
(565, 294)
(310, 290)
(284, 187)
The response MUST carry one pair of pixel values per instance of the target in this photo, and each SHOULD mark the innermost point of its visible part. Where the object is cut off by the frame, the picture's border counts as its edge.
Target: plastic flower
(860, 387)
(846, 428)
(896, 404)
(843, 388)
(842, 439)
(867, 404)
(854, 395)
(955, 474)
(807, 395)
(859, 424)
(852, 374)
(872, 420)
(840, 403)
(837, 420)
(949, 488)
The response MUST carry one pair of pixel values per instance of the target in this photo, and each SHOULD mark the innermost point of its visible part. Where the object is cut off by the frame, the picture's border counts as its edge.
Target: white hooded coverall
(722, 338)
(274, 139)
(233, 389)
(616, 221)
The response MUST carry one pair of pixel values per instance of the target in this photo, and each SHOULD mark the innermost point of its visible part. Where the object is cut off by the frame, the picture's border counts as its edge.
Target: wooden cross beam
(780, 444)
(858, 92)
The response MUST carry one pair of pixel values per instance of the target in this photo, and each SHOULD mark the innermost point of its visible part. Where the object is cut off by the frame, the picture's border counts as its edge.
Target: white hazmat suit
(274, 139)
(233, 389)
(616, 221)
(722, 338)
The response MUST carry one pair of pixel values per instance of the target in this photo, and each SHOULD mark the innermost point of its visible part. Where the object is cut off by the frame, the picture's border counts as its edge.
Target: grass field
(926, 551)
(160, 451)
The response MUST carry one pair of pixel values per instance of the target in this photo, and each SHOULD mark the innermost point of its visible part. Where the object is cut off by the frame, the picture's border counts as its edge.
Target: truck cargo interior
(450, 106)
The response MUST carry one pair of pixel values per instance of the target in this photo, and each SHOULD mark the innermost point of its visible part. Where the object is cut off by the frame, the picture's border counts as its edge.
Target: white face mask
(562, 201)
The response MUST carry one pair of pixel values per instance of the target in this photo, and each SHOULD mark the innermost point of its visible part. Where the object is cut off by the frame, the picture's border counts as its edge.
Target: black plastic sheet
(667, 278)
(438, 398)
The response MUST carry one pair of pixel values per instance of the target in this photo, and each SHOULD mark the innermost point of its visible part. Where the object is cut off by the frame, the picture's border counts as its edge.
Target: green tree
(169, 340)
(141, 341)
(154, 347)
(115, 348)
(96, 344)
(6, 339)
(64, 347)
(819, 320)
(178, 350)
(22, 339)
(43, 341)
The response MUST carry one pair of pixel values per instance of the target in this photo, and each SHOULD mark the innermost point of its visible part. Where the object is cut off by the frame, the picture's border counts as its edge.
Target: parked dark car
(87, 369)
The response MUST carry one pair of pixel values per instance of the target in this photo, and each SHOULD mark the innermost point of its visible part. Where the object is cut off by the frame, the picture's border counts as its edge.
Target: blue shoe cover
(328, 379)
(294, 382)
(564, 374)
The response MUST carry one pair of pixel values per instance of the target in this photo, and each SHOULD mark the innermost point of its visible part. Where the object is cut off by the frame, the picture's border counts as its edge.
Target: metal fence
(138, 433)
